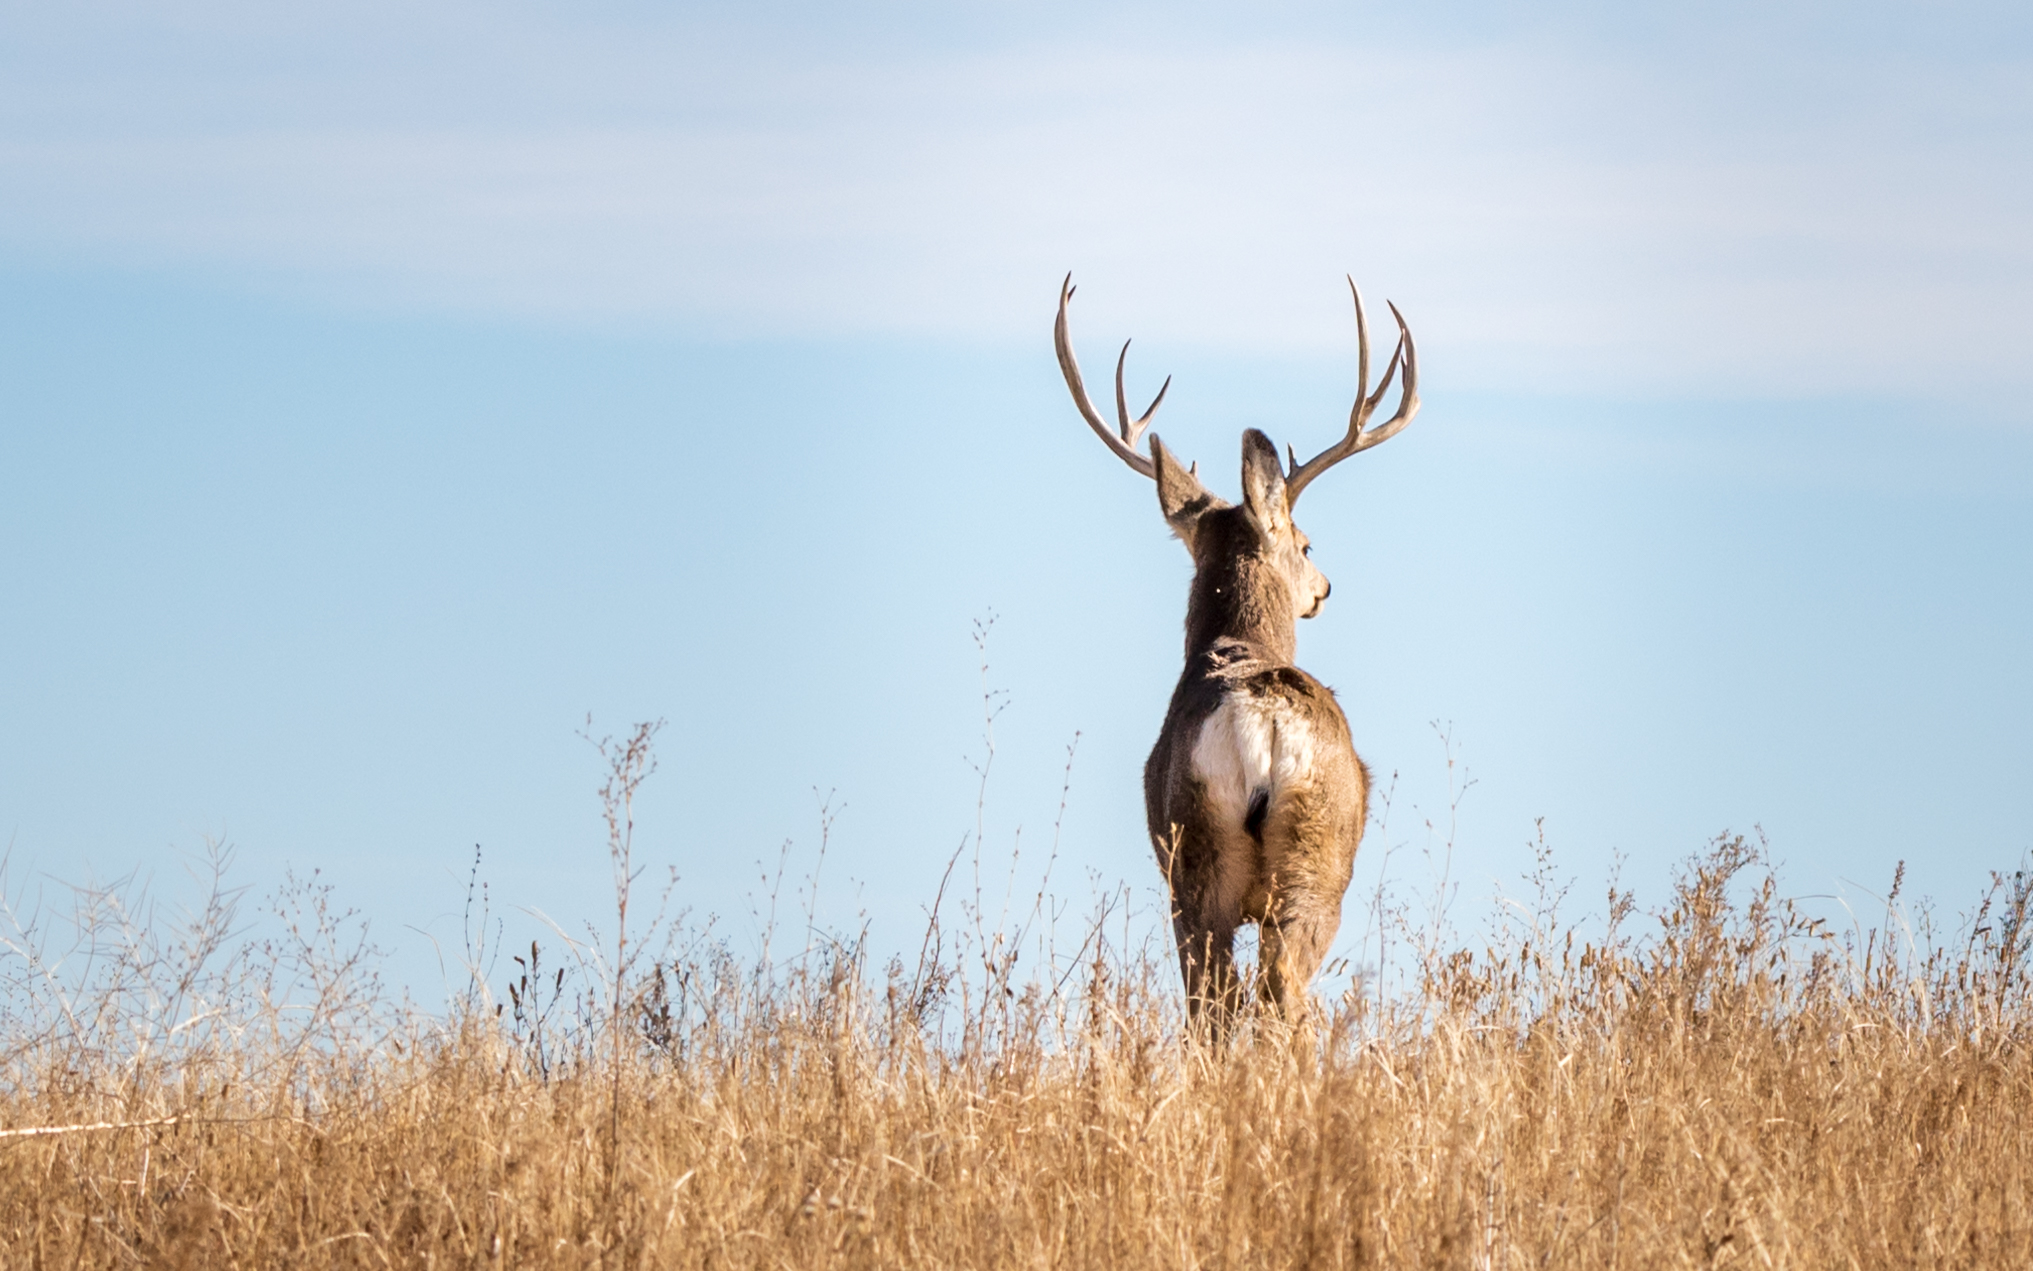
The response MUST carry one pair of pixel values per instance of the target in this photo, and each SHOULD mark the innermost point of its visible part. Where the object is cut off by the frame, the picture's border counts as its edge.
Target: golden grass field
(1721, 1081)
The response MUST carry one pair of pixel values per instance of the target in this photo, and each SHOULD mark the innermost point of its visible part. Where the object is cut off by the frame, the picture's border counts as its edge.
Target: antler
(1124, 446)
(1358, 439)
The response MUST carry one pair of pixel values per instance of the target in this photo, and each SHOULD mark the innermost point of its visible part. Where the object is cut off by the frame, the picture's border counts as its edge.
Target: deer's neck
(1240, 598)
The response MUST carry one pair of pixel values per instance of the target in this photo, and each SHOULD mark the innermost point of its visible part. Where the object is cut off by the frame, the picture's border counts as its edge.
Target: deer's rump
(1262, 806)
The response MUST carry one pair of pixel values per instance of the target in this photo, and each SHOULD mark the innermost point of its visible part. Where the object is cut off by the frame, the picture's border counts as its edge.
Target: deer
(1254, 795)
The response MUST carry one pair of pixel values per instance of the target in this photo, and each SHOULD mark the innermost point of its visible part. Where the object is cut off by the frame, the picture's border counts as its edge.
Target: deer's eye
(1306, 550)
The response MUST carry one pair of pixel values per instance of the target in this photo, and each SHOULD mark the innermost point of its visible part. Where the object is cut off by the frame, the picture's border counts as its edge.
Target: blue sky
(383, 392)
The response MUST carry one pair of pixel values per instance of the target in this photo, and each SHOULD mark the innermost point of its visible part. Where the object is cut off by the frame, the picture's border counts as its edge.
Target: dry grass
(1720, 1082)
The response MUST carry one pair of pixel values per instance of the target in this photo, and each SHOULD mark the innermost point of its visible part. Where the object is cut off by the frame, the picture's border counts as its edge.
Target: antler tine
(1408, 401)
(1358, 412)
(1355, 421)
(1357, 439)
(1124, 446)
(1132, 431)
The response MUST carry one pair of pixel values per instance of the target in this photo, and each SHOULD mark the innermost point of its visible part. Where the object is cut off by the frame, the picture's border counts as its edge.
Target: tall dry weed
(1721, 1081)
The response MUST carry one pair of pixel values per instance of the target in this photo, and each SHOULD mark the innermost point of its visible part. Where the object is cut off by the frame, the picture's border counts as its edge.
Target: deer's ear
(1263, 483)
(1181, 497)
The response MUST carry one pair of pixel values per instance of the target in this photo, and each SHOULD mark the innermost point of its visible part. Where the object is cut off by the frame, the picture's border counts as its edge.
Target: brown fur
(1282, 861)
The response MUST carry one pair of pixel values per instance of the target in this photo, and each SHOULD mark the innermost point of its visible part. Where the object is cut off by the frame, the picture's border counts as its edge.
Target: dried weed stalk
(1727, 1080)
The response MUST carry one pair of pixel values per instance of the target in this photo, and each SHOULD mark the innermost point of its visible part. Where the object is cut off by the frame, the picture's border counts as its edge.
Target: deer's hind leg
(1310, 838)
(1206, 895)
(1294, 942)
(1207, 964)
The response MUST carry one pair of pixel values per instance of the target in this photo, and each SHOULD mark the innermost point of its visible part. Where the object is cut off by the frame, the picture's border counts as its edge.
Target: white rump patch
(1250, 744)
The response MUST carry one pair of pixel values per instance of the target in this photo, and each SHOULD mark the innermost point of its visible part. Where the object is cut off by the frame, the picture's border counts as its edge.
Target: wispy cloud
(1558, 214)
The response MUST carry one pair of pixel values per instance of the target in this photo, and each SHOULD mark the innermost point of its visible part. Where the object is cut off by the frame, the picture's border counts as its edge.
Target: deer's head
(1254, 544)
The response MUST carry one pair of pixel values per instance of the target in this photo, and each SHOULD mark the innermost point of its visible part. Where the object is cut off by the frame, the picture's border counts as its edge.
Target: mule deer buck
(1254, 794)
